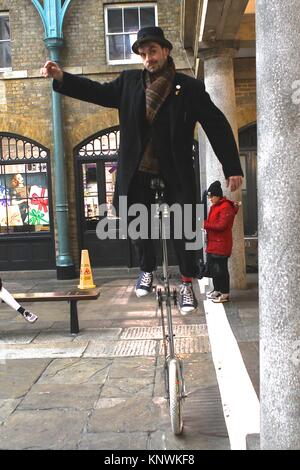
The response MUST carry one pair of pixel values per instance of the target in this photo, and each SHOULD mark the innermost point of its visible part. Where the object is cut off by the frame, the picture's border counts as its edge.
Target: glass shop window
(24, 203)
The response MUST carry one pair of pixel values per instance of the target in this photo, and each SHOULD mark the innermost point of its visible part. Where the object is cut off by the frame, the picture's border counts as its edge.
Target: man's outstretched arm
(220, 136)
(104, 94)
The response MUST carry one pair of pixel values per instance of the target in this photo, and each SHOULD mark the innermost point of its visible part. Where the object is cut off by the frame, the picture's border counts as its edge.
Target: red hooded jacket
(219, 227)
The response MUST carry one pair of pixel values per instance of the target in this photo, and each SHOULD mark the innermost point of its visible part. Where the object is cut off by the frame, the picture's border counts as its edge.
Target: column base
(66, 272)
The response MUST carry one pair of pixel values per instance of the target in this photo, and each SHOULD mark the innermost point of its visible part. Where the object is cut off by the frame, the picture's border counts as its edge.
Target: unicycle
(173, 366)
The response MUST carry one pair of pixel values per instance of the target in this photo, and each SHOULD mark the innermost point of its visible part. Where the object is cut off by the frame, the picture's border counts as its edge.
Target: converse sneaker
(221, 299)
(213, 294)
(144, 284)
(187, 299)
(29, 316)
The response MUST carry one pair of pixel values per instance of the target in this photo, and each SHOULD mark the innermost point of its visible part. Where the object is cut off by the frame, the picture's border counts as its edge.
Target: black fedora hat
(150, 34)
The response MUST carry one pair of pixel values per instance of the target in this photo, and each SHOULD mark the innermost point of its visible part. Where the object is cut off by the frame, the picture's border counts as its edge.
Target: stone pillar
(278, 123)
(219, 82)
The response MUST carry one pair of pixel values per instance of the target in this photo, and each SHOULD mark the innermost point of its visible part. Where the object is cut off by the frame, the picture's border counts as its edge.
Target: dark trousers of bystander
(222, 281)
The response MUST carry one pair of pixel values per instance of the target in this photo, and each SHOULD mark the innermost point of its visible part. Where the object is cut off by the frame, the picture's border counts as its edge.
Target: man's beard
(158, 68)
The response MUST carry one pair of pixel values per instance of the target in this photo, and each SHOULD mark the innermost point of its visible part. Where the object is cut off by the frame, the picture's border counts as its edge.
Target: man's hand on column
(52, 70)
(234, 182)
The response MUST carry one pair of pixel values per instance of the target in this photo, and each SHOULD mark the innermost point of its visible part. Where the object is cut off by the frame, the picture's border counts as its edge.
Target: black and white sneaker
(144, 284)
(187, 300)
(29, 316)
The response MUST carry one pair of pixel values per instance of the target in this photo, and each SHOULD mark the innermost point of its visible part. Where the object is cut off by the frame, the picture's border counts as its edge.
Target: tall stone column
(219, 82)
(278, 84)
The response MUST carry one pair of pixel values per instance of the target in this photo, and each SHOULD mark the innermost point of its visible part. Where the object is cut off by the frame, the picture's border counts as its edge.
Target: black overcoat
(187, 104)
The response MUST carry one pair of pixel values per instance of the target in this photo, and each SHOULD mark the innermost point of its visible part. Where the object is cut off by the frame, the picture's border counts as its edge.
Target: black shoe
(187, 300)
(144, 284)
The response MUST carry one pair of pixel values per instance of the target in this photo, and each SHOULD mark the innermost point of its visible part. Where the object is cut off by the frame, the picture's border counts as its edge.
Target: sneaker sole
(184, 312)
(31, 321)
(141, 292)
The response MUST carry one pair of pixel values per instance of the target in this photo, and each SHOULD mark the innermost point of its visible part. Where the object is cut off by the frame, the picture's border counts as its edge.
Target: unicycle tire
(175, 399)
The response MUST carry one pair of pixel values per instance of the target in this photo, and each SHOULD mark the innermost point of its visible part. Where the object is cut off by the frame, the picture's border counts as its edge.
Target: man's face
(154, 56)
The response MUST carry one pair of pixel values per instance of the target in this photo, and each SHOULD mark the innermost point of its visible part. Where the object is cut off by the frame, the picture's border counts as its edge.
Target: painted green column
(52, 13)
(64, 263)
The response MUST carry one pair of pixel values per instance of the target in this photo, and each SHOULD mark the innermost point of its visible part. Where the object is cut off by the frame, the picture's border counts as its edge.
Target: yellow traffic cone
(86, 276)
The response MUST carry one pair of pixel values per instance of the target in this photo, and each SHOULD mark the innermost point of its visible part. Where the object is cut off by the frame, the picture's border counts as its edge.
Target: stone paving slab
(76, 371)
(43, 429)
(98, 334)
(13, 337)
(21, 327)
(108, 402)
(17, 376)
(38, 351)
(100, 349)
(133, 415)
(7, 407)
(128, 387)
(53, 396)
(139, 367)
(52, 336)
(114, 441)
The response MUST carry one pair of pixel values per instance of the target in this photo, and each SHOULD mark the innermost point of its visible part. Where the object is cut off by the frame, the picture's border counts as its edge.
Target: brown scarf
(157, 91)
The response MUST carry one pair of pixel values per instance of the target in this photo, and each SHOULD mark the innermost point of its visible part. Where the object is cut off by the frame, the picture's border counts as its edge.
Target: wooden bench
(72, 296)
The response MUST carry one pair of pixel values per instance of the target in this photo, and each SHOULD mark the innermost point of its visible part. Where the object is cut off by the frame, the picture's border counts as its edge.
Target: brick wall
(245, 101)
(26, 101)
(25, 97)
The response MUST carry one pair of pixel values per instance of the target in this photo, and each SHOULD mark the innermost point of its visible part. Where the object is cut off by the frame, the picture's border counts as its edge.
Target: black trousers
(141, 192)
(222, 281)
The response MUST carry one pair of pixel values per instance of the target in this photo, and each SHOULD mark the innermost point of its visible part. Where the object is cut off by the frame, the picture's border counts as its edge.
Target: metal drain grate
(156, 332)
(135, 348)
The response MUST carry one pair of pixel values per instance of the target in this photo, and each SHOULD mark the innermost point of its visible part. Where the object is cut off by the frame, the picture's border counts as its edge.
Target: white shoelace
(187, 295)
(146, 279)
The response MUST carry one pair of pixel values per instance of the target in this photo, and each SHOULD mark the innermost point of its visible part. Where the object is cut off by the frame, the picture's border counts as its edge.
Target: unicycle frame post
(173, 367)
(165, 297)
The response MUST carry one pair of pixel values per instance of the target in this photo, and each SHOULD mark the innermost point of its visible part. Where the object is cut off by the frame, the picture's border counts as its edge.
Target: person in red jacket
(218, 227)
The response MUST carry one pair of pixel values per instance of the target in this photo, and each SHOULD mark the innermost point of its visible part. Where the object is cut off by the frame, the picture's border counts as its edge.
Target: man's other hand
(52, 70)
(234, 182)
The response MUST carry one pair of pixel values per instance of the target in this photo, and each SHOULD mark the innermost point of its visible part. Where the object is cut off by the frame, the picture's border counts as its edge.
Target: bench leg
(74, 317)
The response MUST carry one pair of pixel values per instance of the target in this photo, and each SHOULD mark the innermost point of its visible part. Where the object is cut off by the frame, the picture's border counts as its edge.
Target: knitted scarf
(157, 90)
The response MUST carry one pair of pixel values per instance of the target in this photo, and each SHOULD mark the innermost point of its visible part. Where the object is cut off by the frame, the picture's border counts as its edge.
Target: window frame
(134, 60)
(6, 14)
(19, 158)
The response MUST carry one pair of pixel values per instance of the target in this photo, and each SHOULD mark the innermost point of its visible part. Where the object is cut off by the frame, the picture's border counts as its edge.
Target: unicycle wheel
(175, 396)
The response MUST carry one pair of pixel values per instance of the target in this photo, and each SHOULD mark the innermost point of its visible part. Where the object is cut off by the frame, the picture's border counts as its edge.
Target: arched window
(24, 184)
(98, 157)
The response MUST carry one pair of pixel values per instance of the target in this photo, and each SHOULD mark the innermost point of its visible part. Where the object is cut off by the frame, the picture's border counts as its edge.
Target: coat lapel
(176, 104)
(140, 105)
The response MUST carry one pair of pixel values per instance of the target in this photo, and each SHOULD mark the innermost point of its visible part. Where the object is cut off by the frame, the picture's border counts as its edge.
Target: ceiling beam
(223, 19)
(189, 10)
